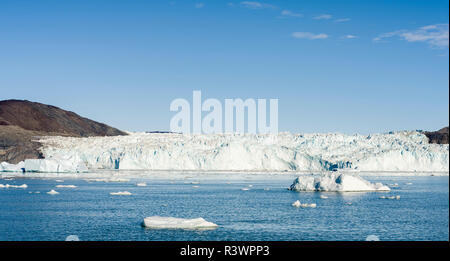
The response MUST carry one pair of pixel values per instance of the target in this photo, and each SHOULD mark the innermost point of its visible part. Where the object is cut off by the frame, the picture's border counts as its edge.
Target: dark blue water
(90, 212)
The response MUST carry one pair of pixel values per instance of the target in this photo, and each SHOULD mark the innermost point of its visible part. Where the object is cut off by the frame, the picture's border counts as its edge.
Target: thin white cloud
(434, 35)
(290, 13)
(309, 36)
(256, 5)
(323, 17)
(199, 5)
(342, 20)
(350, 36)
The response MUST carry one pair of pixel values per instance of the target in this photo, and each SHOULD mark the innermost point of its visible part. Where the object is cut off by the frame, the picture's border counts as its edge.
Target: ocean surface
(263, 212)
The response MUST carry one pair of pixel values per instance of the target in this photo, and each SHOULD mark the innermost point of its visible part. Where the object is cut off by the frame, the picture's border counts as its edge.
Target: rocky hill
(439, 137)
(21, 122)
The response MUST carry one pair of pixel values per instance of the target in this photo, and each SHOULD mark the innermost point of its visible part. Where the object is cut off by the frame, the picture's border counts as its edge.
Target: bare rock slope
(438, 137)
(21, 122)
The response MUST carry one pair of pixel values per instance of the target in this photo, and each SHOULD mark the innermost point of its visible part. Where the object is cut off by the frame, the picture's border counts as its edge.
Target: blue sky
(335, 66)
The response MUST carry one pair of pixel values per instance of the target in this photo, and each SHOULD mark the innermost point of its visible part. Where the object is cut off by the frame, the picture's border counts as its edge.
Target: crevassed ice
(400, 151)
(336, 182)
(158, 222)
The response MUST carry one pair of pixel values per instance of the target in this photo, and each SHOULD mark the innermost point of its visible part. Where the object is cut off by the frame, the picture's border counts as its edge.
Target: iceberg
(335, 182)
(53, 192)
(157, 222)
(283, 152)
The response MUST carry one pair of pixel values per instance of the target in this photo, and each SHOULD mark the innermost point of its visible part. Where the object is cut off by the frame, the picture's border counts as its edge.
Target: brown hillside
(22, 122)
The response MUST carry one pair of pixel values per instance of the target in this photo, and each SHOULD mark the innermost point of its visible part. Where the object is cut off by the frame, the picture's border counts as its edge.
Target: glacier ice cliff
(398, 151)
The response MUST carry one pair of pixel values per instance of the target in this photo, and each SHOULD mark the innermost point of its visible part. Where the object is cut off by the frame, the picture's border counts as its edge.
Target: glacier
(282, 152)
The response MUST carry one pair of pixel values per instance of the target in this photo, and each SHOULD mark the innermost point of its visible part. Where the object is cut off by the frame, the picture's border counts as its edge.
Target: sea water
(244, 208)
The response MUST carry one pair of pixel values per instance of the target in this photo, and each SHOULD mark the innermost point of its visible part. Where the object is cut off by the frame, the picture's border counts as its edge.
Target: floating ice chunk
(113, 179)
(245, 189)
(121, 193)
(66, 186)
(323, 197)
(335, 182)
(250, 186)
(390, 197)
(195, 186)
(298, 204)
(408, 183)
(59, 180)
(157, 222)
(24, 186)
(142, 184)
(53, 192)
(372, 238)
(72, 238)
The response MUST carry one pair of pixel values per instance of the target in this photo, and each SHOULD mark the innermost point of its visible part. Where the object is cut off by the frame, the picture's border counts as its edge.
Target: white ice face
(401, 151)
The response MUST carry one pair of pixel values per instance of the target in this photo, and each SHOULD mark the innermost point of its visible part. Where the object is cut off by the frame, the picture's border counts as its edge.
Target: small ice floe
(394, 185)
(297, 204)
(372, 238)
(121, 193)
(323, 197)
(157, 222)
(245, 189)
(72, 238)
(195, 186)
(266, 189)
(37, 192)
(59, 180)
(53, 192)
(142, 184)
(23, 186)
(408, 183)
(66, 186)
(195, 182)
(114, 179)
(390, 197)
(250, 186)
